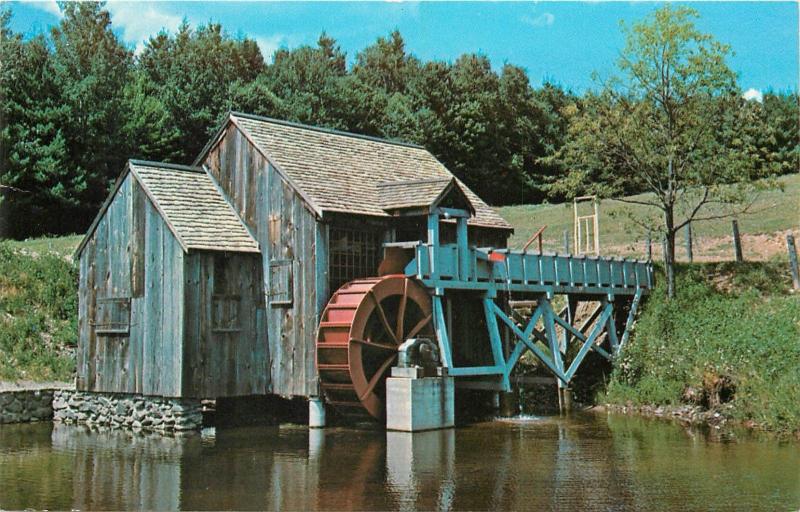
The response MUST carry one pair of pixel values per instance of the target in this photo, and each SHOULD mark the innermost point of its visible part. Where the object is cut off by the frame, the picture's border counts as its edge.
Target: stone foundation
(26, 406)
(127, 411)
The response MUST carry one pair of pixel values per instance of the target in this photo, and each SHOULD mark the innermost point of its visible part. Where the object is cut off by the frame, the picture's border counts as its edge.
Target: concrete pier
(316, 412)
(415, 403)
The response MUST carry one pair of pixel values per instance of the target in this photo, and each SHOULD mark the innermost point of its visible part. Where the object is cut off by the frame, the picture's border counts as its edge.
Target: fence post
(793, 261)
(664, 248)
(566, 241)
(737, 241)
(689, 253)
(648, 247)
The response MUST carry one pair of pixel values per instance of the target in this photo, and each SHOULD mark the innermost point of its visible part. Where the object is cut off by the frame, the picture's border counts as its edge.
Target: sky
(560, 42)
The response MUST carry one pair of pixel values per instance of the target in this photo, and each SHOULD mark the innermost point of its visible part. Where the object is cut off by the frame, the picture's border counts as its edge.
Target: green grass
(63, 245)
(732, 329)
(38, 312)
(775, 210)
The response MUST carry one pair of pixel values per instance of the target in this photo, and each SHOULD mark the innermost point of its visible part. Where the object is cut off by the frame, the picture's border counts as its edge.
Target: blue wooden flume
(618, 285)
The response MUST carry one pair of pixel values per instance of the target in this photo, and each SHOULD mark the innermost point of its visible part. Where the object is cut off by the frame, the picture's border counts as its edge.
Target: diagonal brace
(587, 344)
(526, 343)
(631, 317)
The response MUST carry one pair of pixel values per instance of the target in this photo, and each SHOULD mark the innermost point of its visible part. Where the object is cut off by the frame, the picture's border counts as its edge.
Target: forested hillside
(77, 102)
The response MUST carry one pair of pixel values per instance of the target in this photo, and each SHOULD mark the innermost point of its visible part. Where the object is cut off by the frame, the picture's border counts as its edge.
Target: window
(353, 254)
(280, 282)
(112, 315)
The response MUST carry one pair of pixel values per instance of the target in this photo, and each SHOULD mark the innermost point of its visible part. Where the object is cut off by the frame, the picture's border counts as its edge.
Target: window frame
(277, 277)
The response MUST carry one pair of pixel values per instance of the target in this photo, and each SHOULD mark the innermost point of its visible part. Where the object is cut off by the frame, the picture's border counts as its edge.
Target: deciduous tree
(657, 128)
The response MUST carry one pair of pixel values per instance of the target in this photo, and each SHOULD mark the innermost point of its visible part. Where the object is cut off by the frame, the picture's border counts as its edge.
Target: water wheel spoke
(422, 323)
(375, 344)
(401, 313)
(382, 316)
(377, 377)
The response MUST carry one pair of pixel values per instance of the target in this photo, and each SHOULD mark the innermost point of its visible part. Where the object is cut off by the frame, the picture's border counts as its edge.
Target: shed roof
(191, 205)
(340, 172)
(195, 208)
(402, 195)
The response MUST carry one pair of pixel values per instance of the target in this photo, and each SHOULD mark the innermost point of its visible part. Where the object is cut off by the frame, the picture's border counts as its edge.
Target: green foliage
(732, 323)
(76, 103)
(193, 75)
(38, 315)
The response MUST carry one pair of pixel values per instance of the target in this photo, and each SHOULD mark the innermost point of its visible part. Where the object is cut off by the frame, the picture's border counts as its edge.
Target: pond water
(581, 462)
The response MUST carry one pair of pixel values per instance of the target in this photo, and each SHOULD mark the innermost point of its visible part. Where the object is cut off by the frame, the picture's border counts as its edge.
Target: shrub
(38, 315)
(732, 336)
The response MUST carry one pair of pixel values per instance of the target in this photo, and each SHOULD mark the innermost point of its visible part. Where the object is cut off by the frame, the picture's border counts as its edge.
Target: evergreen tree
(36, 178)
(195, 74)
(310, 84)
(90, 67)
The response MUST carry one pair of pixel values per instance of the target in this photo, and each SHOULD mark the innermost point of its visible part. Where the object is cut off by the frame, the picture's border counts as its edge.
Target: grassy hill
(38, 312)
(776, 212)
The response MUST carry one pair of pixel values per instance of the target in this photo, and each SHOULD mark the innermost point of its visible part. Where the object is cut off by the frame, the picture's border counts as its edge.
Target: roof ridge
(165, 165)
(330, 131)
(415, 182)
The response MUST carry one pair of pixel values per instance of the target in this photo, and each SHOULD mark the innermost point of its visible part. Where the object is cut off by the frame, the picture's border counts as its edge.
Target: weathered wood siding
(225, 350)
(133, 262)
(290, 237)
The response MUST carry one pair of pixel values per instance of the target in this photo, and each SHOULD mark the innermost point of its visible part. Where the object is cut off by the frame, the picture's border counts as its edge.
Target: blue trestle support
(610, 281)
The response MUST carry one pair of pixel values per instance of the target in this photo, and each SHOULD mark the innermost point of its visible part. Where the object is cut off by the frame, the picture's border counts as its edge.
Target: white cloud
(269, 45)
(46, 5)
(543, 20)
(137, 21)
(753, 94)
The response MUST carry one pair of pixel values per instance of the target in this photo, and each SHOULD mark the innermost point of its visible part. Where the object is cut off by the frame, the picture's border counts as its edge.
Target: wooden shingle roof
(419, 194)
(193, 207)
(340, 172)
(396, 195)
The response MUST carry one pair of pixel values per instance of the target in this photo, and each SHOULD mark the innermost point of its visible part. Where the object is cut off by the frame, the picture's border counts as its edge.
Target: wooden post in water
(737, 241)
(793, 261)
(566, 241)
(689, 254)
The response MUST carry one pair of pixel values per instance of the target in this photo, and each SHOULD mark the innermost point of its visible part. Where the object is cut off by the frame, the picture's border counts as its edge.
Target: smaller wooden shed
(171, 297)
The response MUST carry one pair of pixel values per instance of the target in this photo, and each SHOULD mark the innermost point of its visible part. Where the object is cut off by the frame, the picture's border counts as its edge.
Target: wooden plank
(248, 378)
(251, 188)
(275, 323)
(191, 330)
(101, 284)
(321, 289)
(91, 286)
(206, 341)
(114, 364)
(138, 217)
(298, 295)
(178, 318)
(171, 317)
(84, 297)
(152, 302)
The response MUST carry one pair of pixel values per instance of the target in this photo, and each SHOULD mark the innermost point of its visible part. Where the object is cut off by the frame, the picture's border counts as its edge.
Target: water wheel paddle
(358, 338)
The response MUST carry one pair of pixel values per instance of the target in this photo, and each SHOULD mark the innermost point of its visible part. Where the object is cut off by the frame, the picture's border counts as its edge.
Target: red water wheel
(359, 335)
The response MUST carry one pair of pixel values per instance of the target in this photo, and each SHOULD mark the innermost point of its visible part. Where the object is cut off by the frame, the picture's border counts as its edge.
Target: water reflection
(580, 463)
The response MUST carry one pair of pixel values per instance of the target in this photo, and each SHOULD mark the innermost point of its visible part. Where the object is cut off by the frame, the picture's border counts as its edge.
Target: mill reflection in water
(588, 462)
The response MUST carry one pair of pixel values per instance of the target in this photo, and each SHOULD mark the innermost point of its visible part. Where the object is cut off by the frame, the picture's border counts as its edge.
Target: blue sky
(557, 41)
